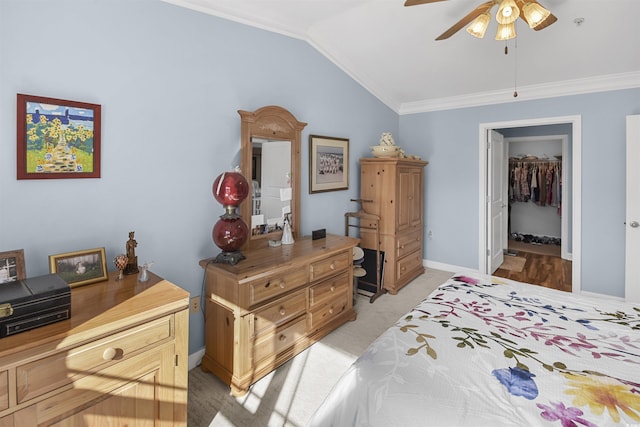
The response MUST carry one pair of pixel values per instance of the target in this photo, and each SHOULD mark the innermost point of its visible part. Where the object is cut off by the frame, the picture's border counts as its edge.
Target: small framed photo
(12, 266)
(57, 138)
(328, 163)
(81, 267)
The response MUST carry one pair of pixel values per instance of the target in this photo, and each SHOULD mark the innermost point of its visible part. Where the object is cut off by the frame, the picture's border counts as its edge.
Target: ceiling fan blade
(417, 2)
(484, 7)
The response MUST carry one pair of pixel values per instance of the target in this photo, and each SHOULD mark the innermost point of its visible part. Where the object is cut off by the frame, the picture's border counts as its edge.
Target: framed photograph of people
(328, 163)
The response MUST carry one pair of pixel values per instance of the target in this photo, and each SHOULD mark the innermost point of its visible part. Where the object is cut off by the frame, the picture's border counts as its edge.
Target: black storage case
(33, 302)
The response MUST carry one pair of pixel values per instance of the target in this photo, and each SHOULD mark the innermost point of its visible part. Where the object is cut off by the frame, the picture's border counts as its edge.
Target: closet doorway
(537, 230)
(491, 241)
(537, 167)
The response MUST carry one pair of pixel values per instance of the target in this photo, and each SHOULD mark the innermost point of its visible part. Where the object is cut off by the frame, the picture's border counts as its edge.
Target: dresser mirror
(270, 160)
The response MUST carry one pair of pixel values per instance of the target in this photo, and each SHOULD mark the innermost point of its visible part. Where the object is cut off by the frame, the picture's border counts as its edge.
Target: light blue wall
(170, 81)
(449, 140)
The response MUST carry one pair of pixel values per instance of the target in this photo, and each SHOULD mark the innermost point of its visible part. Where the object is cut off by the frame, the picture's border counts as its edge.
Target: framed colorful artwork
(57, 138)
(328, 163)
(12, 266)
(80, 267)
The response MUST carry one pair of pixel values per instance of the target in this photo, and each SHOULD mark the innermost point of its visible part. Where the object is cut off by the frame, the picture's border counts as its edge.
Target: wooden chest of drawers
(120, 359)
(395, 189)
(272, 305)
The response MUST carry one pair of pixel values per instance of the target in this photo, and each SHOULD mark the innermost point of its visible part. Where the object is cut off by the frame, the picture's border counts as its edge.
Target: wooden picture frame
(57, 138)
(80, 267)
(12, 266)
(328, 164)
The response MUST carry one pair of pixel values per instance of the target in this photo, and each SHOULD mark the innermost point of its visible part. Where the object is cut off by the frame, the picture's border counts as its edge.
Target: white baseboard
(448, 267)
(195, 358)
(611, 298)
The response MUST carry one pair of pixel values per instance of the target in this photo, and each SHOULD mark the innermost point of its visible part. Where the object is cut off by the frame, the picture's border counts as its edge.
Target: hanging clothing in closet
(537, 181)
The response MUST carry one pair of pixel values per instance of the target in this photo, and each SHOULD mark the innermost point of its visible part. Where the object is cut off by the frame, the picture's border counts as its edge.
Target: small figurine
(132, 265)
(143, 277)
(287, 237)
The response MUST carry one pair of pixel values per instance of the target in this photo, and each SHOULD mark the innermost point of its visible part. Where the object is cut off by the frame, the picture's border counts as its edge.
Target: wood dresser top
(264, 259)
(101, 309)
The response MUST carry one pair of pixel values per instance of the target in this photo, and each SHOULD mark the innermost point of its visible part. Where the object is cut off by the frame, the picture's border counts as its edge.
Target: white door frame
(576, 193)
(564, 141)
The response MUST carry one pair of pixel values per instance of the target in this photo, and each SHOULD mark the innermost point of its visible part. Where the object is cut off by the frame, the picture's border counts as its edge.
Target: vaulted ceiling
(391, 50)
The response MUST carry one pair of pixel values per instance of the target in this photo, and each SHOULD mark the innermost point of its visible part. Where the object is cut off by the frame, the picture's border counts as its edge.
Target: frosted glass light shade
(506, 31)
(479, 26)
(534, 14)
(508, 12)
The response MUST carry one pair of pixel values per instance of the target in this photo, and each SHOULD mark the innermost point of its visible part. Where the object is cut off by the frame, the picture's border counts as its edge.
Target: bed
(486, 351)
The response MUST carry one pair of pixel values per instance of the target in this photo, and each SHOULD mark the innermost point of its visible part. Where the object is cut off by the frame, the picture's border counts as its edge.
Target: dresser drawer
(324, 313)
(41, 376)
(408, 265)
(274, 285)
(271, 344)
(329, 266)
(407, 243)
(279, 313)
(4, 390)
(329, 289)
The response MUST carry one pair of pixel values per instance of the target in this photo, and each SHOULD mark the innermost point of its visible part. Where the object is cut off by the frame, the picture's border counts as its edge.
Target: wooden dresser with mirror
(279, 300)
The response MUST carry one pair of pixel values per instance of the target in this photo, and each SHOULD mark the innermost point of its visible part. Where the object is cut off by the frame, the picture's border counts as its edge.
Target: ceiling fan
(530, 11)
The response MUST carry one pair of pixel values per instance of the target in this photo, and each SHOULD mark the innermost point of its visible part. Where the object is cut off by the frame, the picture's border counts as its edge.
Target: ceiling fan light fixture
(535, 14)
(479, 26)
(506, 31)
(508, 12)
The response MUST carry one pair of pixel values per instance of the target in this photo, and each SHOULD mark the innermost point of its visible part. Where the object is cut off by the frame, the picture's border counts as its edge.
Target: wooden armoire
(395, 188)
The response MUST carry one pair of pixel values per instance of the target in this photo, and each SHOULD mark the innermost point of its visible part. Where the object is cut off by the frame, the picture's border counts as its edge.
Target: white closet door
(497, 204)
(632, 264)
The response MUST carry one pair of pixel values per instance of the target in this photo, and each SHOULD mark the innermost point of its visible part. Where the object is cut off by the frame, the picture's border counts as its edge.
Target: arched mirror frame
(271, 122)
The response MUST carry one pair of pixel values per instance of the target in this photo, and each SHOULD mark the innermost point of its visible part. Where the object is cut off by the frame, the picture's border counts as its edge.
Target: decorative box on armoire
(396, 189)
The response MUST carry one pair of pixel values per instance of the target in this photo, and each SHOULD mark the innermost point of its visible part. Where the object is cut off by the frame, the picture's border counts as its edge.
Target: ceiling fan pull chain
(515, 68)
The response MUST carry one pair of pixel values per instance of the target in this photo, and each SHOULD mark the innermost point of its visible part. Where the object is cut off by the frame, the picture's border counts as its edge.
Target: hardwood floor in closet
(544, 270)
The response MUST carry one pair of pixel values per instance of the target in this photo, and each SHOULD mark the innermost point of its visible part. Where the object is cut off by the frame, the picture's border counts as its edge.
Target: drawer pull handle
(333, 288)
(333, 266)
(282, 338)
(282, 311)
(109, 353)
(282, 284)
(331, 310)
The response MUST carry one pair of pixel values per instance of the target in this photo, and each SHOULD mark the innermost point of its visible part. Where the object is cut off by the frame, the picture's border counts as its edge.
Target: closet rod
(535, 161)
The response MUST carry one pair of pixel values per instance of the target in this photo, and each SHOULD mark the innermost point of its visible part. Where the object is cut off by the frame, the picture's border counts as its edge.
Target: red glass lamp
(230, 232)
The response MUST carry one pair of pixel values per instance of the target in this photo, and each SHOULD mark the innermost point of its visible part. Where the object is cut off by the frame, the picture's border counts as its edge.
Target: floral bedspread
(485, 351)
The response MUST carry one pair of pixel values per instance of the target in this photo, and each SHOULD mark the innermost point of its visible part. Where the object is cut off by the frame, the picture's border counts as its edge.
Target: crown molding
(234, 15)
(527, 93)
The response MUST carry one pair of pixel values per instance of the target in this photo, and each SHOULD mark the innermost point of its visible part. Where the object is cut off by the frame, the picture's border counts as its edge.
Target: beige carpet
(289, 395)
(513, 263)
